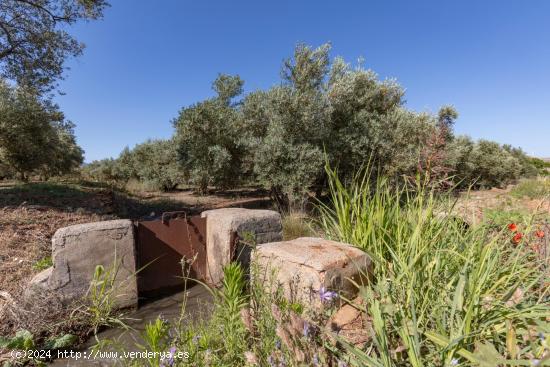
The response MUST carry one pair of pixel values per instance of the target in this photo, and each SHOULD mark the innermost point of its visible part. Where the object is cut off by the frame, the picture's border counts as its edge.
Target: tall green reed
(440, 289)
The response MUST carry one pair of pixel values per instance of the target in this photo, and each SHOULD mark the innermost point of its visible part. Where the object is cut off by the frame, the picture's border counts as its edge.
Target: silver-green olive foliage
(327, 110)
(153, 163)
(211, 137)
(322, 111)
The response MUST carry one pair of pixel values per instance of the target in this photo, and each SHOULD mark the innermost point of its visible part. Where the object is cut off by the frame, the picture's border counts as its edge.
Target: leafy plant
(23, 340)
(43, 263)
(64, 341)
(100, 300)
(156, 340)
(231, 299)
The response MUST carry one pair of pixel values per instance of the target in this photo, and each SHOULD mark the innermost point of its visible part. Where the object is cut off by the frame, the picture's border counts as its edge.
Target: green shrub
(543, 166)
(105, 170)
(487, 164)
(154, 163)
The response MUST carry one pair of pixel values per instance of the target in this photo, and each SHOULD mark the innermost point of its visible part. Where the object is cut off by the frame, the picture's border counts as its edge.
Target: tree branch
(9, 50)
(54, 17)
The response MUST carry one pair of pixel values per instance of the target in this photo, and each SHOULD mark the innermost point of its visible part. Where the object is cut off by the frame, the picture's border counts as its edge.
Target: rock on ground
(306, 266)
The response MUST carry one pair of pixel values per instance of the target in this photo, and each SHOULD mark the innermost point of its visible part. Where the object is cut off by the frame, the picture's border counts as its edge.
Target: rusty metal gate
(161, 246)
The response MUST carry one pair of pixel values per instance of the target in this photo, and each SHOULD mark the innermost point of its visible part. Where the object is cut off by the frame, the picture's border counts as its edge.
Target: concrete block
(306, 265)
(221, 224)
(78, 249)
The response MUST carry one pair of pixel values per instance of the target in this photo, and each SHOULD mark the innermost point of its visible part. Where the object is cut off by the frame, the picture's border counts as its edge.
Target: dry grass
(43, 316)
(297, 225)
(29, 216)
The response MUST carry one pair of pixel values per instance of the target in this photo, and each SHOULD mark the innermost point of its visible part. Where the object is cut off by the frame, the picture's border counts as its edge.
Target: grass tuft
(296, 225)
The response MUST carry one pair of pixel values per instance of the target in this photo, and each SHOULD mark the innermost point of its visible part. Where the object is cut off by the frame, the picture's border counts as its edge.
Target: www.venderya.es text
(98, 355)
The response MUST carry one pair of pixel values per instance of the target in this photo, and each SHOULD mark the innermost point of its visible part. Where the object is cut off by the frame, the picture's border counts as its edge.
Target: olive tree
(335, 112)
(288, 159)
(486, 163)
(209, 137)
(154, 163)
(64, 154)
(104, 170)
(34, 135)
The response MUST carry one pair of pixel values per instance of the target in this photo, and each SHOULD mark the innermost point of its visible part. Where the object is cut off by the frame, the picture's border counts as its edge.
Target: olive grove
(323, 111)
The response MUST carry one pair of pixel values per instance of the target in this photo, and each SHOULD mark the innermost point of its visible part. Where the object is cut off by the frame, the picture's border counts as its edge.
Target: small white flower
(454, 362)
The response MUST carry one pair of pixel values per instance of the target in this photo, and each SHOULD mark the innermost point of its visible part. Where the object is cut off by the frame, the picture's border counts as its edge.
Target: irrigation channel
(198, 305)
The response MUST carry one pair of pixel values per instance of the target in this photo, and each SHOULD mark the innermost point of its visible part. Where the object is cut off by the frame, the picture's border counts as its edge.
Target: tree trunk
(280, 199)
(23, 176)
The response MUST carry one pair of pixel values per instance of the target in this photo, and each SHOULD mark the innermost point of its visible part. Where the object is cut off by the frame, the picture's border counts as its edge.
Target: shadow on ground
(86, 197)
(97, 198)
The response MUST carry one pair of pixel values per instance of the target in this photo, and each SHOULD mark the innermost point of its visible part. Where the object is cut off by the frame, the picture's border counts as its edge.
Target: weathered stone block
(221, 225)
(78, 249)
(306, 265)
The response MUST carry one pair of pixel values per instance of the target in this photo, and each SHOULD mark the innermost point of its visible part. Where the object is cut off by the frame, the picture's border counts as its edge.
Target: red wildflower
(517, 238)
(539, 234)
(512, 227)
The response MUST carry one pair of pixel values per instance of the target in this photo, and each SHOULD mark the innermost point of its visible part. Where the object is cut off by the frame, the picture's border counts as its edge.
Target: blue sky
(147, 59)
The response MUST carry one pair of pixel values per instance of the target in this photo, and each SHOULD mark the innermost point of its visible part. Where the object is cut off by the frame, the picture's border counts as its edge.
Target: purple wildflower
(278, 344)
(316, 360)
(305, 330)
(342, 364)
(327, 296)
(168, 360)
